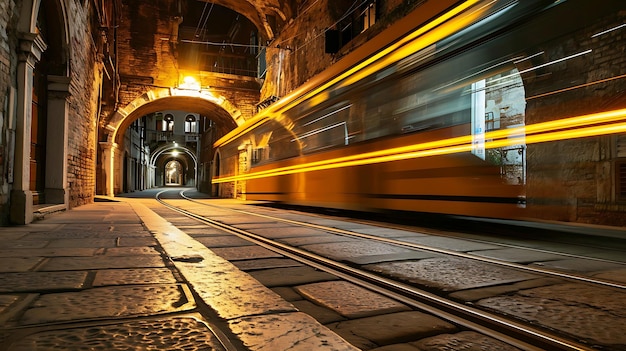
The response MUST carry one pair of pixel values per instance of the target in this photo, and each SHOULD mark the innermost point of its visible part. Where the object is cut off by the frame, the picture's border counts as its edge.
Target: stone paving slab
(345, 251)
(50, 252)
(41, 281)
(580, 265)
(19, 264)
(247, 226)
(33, 227)
(134, 276)
(13, 236)
(69, 234)
(411, 255)
(89, 217)
(387, 329)
(230, 292)
(450, 274)
(267, 263)
(451, 244)
(584, 319)
(353, 302)
(321, 238)
(131, 251)
(108, 302)
(86, 242)
(101, 262)
(607, 299)
(466, 341)
(128, 229)
(241, 219)
(321, 314)
(244, 253)
(166, 333)
(490, 291)
(133, 241)
(223, 241)
(287, 293)
(518, 255)
(24, 244)
(286, 232)
(291, 276)
(206, 231)
(287, 331)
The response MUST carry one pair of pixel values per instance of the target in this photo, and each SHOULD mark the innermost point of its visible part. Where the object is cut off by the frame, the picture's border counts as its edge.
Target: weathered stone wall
(574, 180)
(7, 70)
(298, 52)
(84, 106)
(82, 100)
(147, 58)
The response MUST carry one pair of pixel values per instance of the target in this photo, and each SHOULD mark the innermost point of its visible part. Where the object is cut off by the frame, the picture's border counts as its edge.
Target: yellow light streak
(420, 39)
(410, 44)
(567, 128)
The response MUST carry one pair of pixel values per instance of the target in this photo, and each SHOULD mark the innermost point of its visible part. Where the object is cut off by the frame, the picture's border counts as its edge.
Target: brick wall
(83, 112)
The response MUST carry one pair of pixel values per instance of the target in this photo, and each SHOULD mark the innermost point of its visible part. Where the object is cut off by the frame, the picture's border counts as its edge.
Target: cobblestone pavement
(98, 278)
(118, 276)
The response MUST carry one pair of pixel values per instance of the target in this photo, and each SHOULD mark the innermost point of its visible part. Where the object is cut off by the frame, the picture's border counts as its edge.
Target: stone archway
(158, 158)
(226, 115)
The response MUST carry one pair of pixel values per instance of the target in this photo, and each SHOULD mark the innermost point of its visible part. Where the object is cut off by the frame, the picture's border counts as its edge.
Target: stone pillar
(108, 159)
(30, 50)
(57, 140)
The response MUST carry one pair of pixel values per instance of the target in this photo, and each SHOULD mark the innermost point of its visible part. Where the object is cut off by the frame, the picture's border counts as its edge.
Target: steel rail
(511, 332)
(517, 266)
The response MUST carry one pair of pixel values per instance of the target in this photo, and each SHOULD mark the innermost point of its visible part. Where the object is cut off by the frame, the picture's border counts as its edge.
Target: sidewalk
(116, 276)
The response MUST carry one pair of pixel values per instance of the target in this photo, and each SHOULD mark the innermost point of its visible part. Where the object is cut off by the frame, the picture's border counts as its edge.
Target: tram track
(550, 272)
(510, 331)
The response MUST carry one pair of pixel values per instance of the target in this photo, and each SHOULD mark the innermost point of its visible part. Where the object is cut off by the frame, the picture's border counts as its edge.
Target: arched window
(190, 124)
(168, 123)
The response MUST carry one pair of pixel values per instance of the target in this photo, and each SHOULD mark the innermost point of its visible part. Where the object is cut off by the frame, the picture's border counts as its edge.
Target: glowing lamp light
(190, 83)
(175, 153)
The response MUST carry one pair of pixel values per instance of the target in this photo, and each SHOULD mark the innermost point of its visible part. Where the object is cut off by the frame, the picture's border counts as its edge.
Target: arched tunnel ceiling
(260, 11)
(223, 120)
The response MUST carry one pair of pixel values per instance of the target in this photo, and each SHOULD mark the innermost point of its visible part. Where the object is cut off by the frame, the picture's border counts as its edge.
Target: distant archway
(174, 173)
(164, 154)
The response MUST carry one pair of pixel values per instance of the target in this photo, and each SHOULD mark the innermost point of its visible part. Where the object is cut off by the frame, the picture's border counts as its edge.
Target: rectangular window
(369, 16)
(190, 126)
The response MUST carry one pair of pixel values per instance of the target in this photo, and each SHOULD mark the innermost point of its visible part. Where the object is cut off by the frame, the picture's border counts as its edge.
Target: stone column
(30, 50)
(57, 140)
(108, 159)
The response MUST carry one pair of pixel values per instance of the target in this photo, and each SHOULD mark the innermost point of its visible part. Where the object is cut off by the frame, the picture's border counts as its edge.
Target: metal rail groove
(517, 266)
(511, 332)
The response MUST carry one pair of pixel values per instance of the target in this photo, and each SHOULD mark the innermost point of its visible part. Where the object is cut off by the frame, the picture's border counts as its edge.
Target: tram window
(322, 129)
